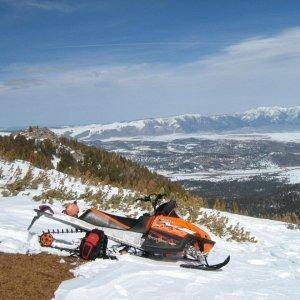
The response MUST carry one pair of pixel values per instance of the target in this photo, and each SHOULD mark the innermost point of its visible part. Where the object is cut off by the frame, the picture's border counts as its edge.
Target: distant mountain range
(259, 119)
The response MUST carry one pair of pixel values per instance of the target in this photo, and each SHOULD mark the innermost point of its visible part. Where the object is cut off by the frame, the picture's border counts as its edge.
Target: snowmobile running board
(206, 266)
(132, 239)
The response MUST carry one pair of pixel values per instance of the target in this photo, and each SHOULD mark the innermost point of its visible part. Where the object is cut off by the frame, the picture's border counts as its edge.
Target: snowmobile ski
(206, 266)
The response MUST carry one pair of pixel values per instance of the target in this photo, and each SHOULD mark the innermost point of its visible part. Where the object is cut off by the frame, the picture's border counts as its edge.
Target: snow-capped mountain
(262, 118)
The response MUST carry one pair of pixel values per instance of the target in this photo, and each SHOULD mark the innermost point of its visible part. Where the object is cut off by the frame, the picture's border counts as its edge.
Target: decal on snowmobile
(159, 238)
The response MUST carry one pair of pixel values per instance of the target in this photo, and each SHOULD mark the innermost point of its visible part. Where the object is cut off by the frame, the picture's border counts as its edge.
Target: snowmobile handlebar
(153, 198)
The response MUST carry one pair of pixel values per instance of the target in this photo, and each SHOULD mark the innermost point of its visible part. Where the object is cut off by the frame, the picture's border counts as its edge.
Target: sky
(80, 62)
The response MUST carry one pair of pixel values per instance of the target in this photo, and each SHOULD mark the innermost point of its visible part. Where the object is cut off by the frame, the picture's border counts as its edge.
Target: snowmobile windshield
(177, 213)
(167, 209)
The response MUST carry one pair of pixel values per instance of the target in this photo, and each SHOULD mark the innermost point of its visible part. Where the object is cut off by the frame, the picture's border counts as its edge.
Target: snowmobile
(161, 234)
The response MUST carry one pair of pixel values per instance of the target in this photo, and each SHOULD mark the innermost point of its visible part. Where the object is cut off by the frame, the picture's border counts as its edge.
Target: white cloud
(19, 83)
(58, 5)
(51, 5)
(259, 71)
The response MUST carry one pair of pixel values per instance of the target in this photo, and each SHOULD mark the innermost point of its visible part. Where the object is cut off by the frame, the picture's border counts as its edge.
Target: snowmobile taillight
(46, 240)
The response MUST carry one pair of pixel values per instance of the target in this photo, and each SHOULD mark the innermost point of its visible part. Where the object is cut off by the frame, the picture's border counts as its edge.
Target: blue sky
(79, 62)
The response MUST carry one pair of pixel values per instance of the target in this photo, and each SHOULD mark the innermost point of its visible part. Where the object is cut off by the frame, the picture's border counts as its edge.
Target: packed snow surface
(269, 269)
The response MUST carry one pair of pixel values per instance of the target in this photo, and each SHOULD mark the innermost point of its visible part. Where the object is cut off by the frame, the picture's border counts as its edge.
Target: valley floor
(291, 173)
(269, 269)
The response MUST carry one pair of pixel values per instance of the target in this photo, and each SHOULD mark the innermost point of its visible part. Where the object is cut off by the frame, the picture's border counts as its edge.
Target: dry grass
(42, 179)
(32, 276)
(57, 194)
(219, 225)
(95, 198)
(20, 184)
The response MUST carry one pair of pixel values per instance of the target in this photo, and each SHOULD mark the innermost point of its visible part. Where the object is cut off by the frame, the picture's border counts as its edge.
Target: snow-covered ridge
(262, 117)
(274, 114)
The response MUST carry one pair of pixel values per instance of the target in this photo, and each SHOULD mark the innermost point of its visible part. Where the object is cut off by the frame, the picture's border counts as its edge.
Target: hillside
(47, 151)
(262, 118)
(93, 166)
(36, 165)
(190, 161)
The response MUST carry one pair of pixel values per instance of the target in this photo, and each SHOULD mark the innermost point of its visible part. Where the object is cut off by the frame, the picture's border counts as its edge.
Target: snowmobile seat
(104, 219)
(143, 224)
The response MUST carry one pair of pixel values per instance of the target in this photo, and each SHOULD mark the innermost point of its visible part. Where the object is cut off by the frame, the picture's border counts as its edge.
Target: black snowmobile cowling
(104, 219)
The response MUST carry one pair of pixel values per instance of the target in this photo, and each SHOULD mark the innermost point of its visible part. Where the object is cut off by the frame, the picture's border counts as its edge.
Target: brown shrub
(20, 184)
(5, 193)
(292, 226)
(219, 226)
(42, 178)
(58, 194)
(95, 199)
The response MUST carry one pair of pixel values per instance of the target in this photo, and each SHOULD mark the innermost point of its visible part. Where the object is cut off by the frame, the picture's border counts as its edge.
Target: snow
(266, 270)
(269, 269)
(15, 216)
(294, 175)
(118, 126)
(5, 133)
(275, 118)
(55, 161)
(286, 137)
(274, 113)
(57, 180)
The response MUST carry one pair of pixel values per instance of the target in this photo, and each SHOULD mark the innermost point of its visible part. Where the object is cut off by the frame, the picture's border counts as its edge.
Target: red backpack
(93, 245)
